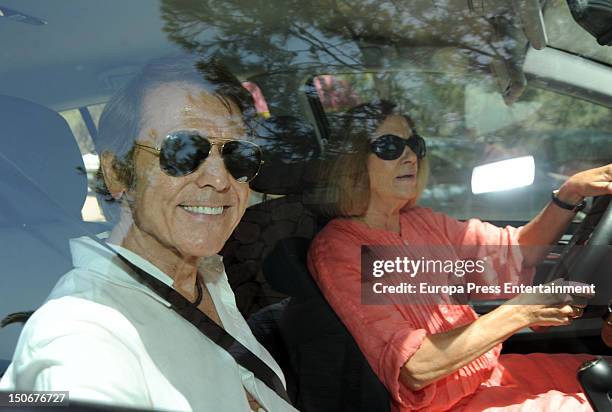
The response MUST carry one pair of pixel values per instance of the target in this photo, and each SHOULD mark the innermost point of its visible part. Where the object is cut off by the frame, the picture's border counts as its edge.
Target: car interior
(485, 81)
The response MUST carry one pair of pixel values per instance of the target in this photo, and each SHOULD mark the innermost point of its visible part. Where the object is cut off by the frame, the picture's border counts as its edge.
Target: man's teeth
(204, 210)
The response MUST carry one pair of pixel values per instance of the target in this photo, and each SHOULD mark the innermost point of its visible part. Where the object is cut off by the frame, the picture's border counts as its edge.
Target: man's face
(192, 215)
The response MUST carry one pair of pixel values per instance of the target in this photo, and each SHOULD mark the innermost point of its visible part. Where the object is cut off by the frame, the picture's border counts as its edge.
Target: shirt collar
(92, 255)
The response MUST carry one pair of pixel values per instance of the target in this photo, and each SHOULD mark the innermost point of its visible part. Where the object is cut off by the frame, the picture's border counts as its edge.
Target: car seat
(42, 191)
(265, 260)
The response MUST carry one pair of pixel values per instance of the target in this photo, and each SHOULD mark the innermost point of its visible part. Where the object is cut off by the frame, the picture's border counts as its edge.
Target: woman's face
(393, 182)
(192, 215)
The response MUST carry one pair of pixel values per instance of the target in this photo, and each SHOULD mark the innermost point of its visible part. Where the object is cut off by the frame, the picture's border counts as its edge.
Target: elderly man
(176, 159)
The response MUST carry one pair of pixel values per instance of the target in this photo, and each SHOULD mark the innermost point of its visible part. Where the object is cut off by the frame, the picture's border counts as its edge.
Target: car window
(91, 211)
(466, 124)
(483, 82)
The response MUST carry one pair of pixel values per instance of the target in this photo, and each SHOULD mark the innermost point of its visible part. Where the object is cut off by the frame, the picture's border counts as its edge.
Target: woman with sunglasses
(176, 162)
(434, 353)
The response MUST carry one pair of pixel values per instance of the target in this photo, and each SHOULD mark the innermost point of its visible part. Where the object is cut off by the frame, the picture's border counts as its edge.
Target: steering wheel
(582, 259)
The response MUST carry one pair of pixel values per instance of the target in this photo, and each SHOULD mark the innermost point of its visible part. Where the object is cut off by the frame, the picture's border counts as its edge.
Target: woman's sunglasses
(391, 147)
(182, 152)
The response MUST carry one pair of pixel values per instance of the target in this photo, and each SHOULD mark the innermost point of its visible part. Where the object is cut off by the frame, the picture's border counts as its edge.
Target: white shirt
(105, 337)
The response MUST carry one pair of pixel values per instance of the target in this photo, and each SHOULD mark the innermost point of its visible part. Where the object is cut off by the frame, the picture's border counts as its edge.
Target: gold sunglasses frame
(218, 142)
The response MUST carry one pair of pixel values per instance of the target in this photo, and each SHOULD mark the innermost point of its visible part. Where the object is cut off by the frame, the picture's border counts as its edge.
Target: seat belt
(243, 356)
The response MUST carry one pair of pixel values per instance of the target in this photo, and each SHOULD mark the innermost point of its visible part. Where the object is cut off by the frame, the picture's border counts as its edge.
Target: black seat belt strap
(214, 332)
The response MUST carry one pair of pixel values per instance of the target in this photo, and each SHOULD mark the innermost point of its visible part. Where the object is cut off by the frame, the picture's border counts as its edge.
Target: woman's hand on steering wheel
(592, 182)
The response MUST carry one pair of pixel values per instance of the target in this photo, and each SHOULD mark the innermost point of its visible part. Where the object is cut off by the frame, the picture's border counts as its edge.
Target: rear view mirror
(486, 111)
(503, 175)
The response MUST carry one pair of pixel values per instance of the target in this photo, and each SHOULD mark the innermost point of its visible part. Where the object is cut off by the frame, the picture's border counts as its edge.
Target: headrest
(290, 151)
(38, 142)
(286, 271)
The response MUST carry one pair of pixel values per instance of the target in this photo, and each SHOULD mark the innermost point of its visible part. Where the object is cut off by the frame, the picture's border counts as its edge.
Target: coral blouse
(388, 335)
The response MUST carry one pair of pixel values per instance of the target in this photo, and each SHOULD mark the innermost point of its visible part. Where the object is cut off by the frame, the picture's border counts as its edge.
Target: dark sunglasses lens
(182, 153)
(388, 147)
(417, 144)
(242, 159)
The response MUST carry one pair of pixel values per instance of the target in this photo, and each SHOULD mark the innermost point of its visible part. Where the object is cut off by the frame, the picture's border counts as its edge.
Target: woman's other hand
(550, 309)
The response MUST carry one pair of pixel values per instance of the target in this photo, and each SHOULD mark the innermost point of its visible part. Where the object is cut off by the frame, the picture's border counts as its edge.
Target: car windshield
(482, 83)
(452, 84)
(466, 122)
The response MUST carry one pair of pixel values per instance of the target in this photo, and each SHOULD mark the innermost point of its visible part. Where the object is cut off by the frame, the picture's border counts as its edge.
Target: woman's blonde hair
(346, 190)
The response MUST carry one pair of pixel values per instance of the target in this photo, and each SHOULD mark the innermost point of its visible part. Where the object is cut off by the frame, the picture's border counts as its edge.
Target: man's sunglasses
(391, 147)
(182, 152)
